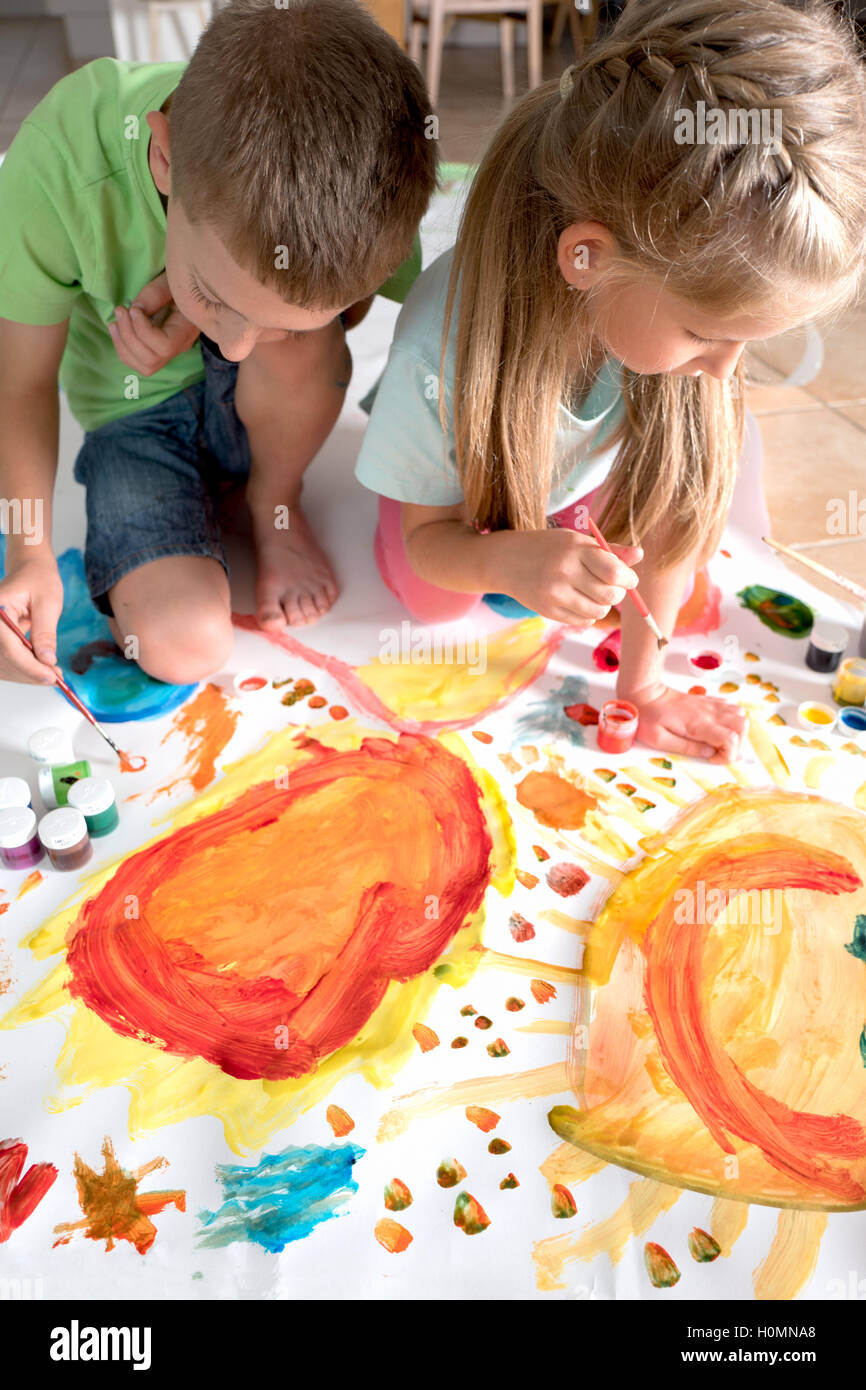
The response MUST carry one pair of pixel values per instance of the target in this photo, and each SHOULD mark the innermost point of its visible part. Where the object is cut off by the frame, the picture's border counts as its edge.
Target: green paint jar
(94, 797)
(55, 781)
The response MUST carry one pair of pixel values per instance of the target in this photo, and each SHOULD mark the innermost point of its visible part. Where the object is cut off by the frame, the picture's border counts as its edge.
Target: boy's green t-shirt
(82, 229)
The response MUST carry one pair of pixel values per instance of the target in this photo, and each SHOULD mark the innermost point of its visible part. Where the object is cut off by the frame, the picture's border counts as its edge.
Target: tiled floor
(814, 435)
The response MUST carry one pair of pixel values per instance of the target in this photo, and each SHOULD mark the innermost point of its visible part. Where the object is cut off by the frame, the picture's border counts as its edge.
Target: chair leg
(153, 18)
(589, 22)
(559, 19)
(506, 52)
(575, 24)
(435, 44)
(533, 42)
(415, 42)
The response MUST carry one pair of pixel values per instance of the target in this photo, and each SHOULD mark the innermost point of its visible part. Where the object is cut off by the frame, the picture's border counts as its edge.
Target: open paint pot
(812, 715)
(705, 663)
(249, 682)
(617, 726)
(827, 643)
(852, 721)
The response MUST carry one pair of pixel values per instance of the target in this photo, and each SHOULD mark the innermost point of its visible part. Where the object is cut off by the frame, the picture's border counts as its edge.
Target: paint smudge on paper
(778, 611)
(520, 929)
(283, 1198)
(425, 1037)
(499, 1146)
(562, 1203)
(513, 1004)
(207, 722)
(483, 1118)
(469, 1215)
(703, 1247)
(340, 1120)
(241, 980)
(483, 1022)
(20, 1196)
(660, 1267)
(30, 882)
(555, 802)
(567, 879)
(551, 717)
(397, 1195)
(498, 1048)
(113, 1207)
(392, 1236)
(450, 1172)
(857, 946)
(542, 992)
(509, 1181)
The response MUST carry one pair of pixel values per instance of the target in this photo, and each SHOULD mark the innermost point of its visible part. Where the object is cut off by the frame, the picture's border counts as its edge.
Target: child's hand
(146, 346)
(700, 726)
(564, 575)
(32, 594)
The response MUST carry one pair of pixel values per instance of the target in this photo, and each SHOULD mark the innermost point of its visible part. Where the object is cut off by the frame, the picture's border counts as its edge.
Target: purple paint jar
(20, 846)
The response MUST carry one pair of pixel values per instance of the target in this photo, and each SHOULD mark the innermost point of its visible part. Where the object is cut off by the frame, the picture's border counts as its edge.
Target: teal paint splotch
(283, 1198)
(778, 611)
(112, 688)
(857, 947)
(547, 717)
(863, 1047)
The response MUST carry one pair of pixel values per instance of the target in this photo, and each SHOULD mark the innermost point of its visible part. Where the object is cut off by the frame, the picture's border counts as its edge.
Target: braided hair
(732, 225)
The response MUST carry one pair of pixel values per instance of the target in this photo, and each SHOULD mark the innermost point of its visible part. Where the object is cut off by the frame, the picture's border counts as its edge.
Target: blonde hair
(730, 227)
(299, 132)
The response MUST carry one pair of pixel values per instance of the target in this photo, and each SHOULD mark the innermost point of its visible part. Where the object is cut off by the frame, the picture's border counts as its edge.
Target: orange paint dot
(542, 992)
(425, 1037)
(697, 690)
(484, 1119)
(392, 1236)
(528, 880)
(338, 712)
(482, 736)
(341, 1121)
(317, 701)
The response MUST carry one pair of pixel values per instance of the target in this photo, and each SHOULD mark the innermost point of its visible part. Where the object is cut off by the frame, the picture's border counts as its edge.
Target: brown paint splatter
(113, 1207)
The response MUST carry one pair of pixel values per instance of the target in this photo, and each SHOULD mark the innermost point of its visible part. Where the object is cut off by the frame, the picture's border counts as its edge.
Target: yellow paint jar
(812, 715)
(850, 684)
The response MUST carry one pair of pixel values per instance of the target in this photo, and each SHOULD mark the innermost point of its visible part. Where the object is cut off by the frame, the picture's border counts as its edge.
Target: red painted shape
(19, 1197)
(582, 714)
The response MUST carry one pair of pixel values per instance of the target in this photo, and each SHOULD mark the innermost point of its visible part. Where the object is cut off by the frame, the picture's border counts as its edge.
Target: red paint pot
(617, 726)
(706, 661)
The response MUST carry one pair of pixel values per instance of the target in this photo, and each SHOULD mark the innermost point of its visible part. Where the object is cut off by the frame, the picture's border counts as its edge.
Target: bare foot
(295, 584)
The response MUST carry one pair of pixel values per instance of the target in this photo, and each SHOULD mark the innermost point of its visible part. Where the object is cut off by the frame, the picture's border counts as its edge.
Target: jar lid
(14, 791)
(63, 829)
(91, 795)
(17, 826)
(829, 637)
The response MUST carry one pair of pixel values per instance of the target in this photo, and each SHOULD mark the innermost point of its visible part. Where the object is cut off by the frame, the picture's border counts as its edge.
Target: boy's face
(209, 287)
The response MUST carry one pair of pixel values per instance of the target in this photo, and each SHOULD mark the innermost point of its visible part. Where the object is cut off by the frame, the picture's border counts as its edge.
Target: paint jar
(850, 684)
(248, 682)
(827, 643)
(64, 835)
(852, 721)
(51, 745)
(54, 782)
(617, 726)
(20, 846)
(812, 715)
(94, 797)
(14, 791)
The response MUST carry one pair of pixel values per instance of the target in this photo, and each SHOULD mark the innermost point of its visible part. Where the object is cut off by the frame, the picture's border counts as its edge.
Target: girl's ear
(582, 249)
(159, 154)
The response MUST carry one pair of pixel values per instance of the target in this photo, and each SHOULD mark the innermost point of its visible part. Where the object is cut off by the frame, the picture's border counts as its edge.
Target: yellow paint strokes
(496, 813)
(455, 689)
(727, 1223)
(645, 1203)
(496, 1090)
(567, 1165)
(793, 1255)
(815, 769)
(860, 797)
(522, 965)
(576, 925)
(651, 784)
(766, 750)
(546, 1025)
(165, 1088)
(738, 774)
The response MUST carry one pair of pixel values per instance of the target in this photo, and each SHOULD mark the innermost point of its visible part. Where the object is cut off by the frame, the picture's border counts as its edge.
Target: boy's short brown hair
(302, 125)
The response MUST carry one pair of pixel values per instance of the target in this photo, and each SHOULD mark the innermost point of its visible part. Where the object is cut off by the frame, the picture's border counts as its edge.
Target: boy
(279, 179)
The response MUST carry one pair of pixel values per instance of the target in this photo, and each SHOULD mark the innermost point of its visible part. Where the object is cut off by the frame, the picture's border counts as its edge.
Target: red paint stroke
(567, 879)
(368, 702)
(606, 655)
(199, 977)
(582, 714)
(4, 907)
(520, 929)
(542, 992)
(19, 1197)
(717, 1089)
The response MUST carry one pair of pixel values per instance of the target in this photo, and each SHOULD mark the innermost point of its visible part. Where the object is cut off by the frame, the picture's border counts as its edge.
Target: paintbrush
(847, 584)
(632, 593)
(70, 695)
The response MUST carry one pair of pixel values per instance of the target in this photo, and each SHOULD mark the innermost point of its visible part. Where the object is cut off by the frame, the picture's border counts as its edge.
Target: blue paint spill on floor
(113, 689)
(548, 716)
(283, 1198)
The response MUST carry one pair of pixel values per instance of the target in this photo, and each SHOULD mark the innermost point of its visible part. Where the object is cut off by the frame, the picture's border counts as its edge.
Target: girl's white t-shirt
(406, 455)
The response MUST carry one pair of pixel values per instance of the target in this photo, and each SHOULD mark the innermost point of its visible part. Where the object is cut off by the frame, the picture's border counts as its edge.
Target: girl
(581, 345)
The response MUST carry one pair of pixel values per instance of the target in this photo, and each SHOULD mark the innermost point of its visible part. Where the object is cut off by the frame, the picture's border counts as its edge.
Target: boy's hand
(144, 345)
(699, 726)
(32, 594)
(564, 575)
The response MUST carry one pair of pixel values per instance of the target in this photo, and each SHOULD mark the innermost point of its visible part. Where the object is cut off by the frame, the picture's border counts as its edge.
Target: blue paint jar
(852, 720)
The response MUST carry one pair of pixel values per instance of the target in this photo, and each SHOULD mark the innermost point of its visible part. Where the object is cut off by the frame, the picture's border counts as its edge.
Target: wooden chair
(582, 17)
(439, 16)
(157, 8)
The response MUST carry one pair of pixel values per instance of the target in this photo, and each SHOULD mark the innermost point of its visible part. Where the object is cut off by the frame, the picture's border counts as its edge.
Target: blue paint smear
(857, 946)
(548, 717)
(283, 1198)
(113, 689)
(508, 607)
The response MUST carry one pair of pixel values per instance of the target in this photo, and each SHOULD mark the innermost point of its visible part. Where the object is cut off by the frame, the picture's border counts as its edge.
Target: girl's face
(653, 330)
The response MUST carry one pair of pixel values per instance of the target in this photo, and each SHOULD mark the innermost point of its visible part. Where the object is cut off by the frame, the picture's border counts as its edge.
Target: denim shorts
(153, 479)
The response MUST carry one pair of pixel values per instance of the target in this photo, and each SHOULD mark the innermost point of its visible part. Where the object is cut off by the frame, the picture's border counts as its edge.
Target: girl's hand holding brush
(32, 594)
(563, 575)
